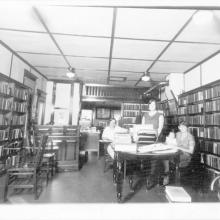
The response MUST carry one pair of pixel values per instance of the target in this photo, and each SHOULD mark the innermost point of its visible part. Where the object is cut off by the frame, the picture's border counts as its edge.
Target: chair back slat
(40, 151)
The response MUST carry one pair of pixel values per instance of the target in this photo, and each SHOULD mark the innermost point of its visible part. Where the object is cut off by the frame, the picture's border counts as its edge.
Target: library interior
(106, 102)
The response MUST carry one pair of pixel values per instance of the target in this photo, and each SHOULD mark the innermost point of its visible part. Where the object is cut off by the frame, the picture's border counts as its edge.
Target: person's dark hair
(153, 100)
(183, 123)
(112, 119)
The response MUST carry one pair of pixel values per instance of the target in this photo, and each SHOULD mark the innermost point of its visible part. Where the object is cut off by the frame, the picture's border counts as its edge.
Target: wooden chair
(25, 174)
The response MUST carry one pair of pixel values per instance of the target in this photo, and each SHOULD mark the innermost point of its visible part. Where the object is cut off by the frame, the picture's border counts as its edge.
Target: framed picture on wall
(103, 113)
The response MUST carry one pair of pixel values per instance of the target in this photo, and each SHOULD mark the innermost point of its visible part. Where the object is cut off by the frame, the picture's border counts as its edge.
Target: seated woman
(109, 135)
(186, 143)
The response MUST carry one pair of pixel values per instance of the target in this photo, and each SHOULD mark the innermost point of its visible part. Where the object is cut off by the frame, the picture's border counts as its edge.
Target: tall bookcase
(13, 114)
(200, 108)
(130, 111)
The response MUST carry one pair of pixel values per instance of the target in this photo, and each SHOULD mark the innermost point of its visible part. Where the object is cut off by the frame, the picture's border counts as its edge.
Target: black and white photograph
(109, 109)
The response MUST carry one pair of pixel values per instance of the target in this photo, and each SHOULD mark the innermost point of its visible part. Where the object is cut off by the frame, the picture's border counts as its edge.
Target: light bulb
(145, 78)
(70, 74)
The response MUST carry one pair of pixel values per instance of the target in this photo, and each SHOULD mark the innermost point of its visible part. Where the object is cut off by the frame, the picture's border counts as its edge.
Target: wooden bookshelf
(13, 113)
(130, 111)
(201, 107)
(170, 118)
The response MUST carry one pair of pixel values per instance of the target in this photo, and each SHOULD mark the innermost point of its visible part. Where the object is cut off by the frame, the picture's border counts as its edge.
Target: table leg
(177, 175)
(119, 181)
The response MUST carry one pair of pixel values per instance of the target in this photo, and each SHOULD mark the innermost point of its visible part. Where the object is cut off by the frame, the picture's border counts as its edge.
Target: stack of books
(177, 194)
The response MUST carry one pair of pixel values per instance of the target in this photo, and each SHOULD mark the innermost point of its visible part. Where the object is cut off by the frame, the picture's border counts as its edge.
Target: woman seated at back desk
(109, 134)
(185, 142)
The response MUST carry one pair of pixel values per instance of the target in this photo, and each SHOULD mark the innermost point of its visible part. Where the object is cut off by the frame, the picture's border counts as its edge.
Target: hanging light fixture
(71, 72)
(145, 77)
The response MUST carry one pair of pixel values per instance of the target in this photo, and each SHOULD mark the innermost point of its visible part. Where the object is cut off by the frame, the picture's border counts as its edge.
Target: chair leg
(35, 184)
(6, 187)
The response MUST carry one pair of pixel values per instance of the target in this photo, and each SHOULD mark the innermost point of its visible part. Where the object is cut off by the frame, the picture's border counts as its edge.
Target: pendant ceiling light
(145, 77)
(71, 72)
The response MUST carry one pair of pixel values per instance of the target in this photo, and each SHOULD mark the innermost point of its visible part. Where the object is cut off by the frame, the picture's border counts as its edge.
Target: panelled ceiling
(109, 45)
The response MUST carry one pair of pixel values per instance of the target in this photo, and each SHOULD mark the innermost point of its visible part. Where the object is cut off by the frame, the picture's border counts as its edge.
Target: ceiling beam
(97, 57)
(172, 7)
(21, 58)
(51, 35)
(201, 62)
(105, 70)
(107, 37)
(112, 43)
(168, 45)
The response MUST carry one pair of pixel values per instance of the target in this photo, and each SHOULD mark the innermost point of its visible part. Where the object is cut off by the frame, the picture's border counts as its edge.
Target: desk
(121, 159)
(90, 141)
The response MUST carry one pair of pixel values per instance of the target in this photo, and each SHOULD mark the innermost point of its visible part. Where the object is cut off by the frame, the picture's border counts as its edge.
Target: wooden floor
(92, 185)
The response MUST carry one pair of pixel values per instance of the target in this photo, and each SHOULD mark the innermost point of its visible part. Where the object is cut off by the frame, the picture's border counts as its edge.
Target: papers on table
(157, 148)
(177, 194)
(126, 147)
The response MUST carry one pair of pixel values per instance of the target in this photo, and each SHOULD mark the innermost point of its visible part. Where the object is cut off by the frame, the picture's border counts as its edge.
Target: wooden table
(121, 159)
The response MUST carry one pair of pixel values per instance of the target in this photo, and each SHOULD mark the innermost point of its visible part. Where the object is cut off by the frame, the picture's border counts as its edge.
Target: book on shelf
(195, 97)
(212, 106)
(209, 147)
(131, 106)
(196, 120)
(212, 132)
(4, 135)
(212, 92)
(5, 103)
(212, 119)
(198, 108)
(4, 88)
(182, 110)
(19, 107)
(210, 160)
(197, 131)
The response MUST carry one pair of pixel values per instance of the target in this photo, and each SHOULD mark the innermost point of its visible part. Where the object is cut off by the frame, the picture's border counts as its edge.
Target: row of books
(212, 106)
(4, 88)
(195, 97)
(182, 100)
(211, 160)
(196, 119)
(144, 107)
(198, 108)
(212, 132)
(1, 150)
(19, 93)
(12, 161)
(212, 119)
(131, 107)
(4, 135)
(4, 120)
(212, 92)
(130, 114)
(16, 134)
(209, 147)
(129, 120)
(18, 120)
(197, 131)
(182, 110)
(5, 104)
(19, 107)
(171, 120)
